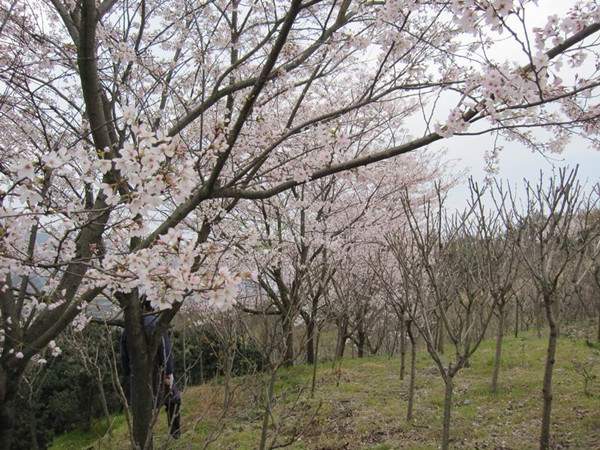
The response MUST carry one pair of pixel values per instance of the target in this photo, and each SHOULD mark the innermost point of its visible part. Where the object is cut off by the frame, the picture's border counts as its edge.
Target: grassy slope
(367, 409)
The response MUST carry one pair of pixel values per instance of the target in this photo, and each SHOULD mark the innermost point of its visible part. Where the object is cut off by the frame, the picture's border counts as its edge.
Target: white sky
(516, 163)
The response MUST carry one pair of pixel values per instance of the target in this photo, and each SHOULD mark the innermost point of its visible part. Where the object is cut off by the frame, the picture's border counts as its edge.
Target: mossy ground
(363, 406)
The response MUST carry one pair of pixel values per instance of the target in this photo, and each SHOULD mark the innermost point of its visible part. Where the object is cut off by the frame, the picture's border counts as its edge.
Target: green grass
(366, 410)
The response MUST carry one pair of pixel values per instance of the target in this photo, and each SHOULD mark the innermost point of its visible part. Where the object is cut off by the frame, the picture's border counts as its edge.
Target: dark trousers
(173, 405)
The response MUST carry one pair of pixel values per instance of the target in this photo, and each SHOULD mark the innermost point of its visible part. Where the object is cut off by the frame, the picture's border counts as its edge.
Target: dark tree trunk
(310, 341)
(287, 324)
(413, 371)
(142, 378)
(9, 381)
(538, 317)
(449, 385)
(498, 354)
(361, 340)
(516, 319)
(548, 372)
(402, 348)
(311, 331)
(315, 362)
(598, 336)
(342, 335)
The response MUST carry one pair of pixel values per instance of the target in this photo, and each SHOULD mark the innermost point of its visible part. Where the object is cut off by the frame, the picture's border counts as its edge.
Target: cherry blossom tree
(302, 234)
(131, 130)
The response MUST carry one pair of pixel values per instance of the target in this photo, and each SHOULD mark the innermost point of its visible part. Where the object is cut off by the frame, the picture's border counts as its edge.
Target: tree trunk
(548, 371)
(340, 347)
(310, 341)
(516, 318)
(311, 331)
(413, 369)
(342, 335)
(598, 337)
(402, 348)
(440, 337)
(315, 362)
(142, 382)
(361, 339)
(142, 402)
(538, 317)
(449, 382)
(8, 388)
(287, 323)
(498, 355)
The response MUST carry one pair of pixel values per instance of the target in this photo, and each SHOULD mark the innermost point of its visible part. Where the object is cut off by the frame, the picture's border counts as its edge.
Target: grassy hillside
(363, 406)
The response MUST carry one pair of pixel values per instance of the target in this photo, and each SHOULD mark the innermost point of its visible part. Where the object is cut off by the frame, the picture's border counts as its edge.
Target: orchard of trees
(260, 168)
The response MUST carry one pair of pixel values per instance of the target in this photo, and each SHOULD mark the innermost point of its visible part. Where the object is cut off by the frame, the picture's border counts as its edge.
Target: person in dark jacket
(164, 387)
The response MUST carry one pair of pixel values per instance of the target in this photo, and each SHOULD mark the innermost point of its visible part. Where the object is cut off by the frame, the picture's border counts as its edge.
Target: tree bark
(498, 354)
(538, 317)
(311, 331)
(548, 371)
(342, 335)
(413, 371)
(449, 384)
(516, 318)
(361, 339)
(402, 348)
(315, 362)
(142, 382)
(310, 341)
(598, 336)
(287, 325)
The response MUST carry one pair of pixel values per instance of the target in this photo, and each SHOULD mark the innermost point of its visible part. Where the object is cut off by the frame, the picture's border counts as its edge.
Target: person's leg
(173, 405)
(174, 418)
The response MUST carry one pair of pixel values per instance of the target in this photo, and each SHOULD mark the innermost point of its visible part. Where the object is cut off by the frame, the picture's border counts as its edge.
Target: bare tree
(445, 279)
(497, 258)
(555, 233)
(402, 286)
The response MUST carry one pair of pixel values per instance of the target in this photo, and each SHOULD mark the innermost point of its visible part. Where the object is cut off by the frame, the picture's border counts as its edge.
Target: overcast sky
(516, 163)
